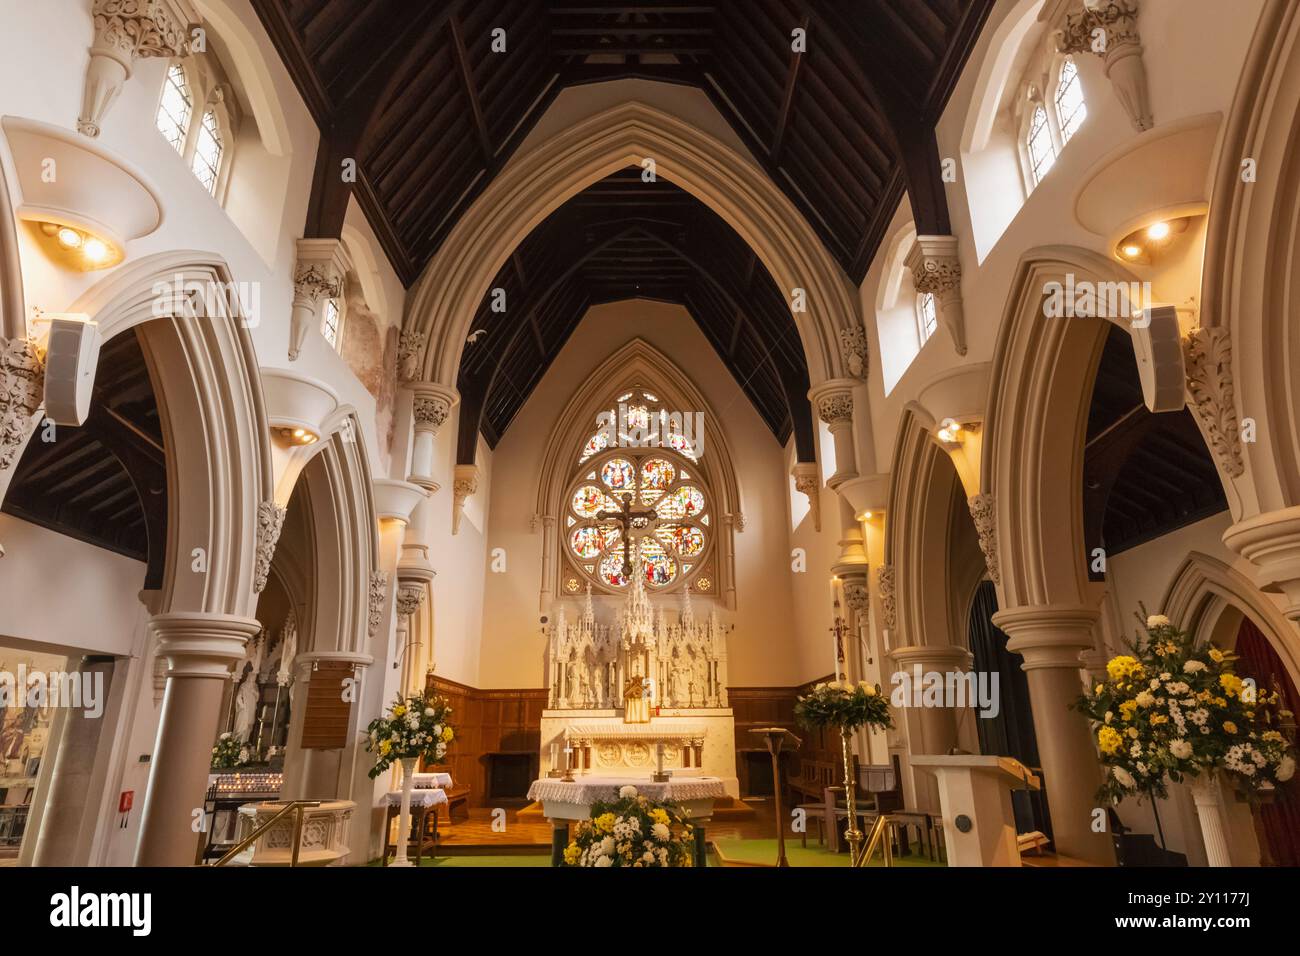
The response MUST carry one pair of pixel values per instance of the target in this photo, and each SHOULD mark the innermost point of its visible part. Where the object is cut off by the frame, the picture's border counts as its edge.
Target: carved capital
(315, 281)
(835, 408)
(430, 413)
(1109, 29)
(124, 31)
(856, 595)
(22, 388)
(410, 597)
(888, 607)
(464, 485)
(982, 511)
(936, 270)
(807, 482)
(409, 346)
(378, 591)
(270, 521)
(1207, 357)
(853, 350)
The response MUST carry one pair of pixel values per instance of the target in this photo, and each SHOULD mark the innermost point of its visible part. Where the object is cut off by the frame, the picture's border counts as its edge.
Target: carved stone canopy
(409, 346)
(853, 350)
(378, 591)
(1207, 356)
(985, 517)
(270, 521)
(888, 607)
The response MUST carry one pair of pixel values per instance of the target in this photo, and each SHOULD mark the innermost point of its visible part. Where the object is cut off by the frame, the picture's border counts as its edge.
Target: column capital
(1271, 543)
(833, 400)
(936, 270)
(1049, 635)
(938, 656)
(196, 644)
(431, 405)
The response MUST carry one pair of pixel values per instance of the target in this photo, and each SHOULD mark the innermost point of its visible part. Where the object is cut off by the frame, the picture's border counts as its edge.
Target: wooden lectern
(979, 828)
(776, 738)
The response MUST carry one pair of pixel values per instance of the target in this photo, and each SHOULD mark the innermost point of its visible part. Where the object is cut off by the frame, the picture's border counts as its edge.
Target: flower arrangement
(417, 726)
(229, 753)
(632, 831)
(843, 706)
(1172, 709)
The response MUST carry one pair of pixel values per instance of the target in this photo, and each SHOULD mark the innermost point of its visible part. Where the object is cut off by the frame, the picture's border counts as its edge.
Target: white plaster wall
(765, 648)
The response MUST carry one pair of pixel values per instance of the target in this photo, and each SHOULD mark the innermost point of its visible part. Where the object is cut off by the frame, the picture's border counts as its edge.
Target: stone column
(930, 729)
(62, 841)
(199, 648)
(431, 407)
(1050, 639)
(410, 598)
(833, 400)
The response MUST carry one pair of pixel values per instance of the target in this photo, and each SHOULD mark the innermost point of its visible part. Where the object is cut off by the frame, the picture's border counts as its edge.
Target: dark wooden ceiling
(624, 238)
(1144, 475)
(104, 482)
(414, 92)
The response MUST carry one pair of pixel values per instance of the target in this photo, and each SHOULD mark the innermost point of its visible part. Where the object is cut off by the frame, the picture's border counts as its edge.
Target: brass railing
(879, 835)
(296, 807)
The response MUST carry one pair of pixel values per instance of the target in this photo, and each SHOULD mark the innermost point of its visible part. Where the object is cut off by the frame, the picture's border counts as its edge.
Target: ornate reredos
(637, 365)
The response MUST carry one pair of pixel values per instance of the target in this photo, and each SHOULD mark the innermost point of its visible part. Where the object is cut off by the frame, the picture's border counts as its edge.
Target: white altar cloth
(589, 789)
(419, 798)
(430, 781)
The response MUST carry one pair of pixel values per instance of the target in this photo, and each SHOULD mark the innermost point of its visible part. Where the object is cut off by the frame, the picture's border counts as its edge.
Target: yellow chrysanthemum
(1109, 740)
(659, 815)
(447, 734)
(1159, 719)
(1229, 727)
(399, 710)
(384, 747)
(1216, 655)
(1231, 684)
(1127, 709)
(1123, 667)
(572, 853)
(604, 823)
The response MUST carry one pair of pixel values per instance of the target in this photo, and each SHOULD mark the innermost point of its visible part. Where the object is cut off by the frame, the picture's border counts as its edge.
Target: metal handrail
(295, 807)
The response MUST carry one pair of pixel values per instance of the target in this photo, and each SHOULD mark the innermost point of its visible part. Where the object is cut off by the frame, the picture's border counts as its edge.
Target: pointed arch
(533, 185)
(637, 362)
(200, 356)
(1208, 598)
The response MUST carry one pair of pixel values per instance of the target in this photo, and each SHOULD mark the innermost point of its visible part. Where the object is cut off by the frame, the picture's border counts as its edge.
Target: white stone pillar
(1050, 638)
(318, 275)
(833, 400)
(431, 407)
(930, 729)
(200, 649)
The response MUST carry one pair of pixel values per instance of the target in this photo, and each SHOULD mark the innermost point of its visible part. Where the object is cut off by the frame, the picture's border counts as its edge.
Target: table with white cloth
(424, 800)
(430, 781)
(564, 802)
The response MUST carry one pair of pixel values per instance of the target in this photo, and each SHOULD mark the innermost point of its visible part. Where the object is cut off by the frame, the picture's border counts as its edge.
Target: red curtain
(1279, 822)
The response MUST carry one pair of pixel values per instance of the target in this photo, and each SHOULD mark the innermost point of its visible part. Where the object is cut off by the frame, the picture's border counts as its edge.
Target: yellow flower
(1109, 740)
(1127, 709)
(1159, 719)
(1231, 684)
(604, 823)
(572, 853)
(447, 734)
(1100, 688)
(398, 710)
(659, 815)
(1122, 667)
(1229, 727)
(384, 747)
(1216, 655)
(1219, 702)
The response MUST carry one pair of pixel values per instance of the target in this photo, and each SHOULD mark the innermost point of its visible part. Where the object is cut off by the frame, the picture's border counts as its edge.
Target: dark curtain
(1278, 823)
(1011, 732)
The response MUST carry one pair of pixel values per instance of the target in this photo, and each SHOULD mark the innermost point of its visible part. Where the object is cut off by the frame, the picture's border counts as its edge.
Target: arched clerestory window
(174, 108)
(1071, 110)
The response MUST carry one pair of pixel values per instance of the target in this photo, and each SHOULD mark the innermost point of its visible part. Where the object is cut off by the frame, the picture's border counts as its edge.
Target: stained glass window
(207, 152)
(1070, 107)
(638, 418)
(173, 119)
(1042, 154)
(646, 497)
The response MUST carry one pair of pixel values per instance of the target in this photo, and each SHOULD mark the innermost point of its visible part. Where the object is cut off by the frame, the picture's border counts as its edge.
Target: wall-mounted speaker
(1158, 347)
(71, 357)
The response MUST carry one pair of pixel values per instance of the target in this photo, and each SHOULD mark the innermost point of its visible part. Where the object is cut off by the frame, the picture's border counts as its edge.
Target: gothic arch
(1037, 411)
(1251, 279)
(214, 423)
(1208, 599)
(533, 185)
(639, 362)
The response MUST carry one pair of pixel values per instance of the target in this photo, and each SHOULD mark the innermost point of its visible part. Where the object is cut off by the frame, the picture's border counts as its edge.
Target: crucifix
(628, 519)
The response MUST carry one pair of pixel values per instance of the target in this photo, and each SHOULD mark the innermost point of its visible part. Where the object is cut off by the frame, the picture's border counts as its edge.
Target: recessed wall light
(1158, 231)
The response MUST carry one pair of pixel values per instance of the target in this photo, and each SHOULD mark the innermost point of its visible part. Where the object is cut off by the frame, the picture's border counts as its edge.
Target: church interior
(735, 434)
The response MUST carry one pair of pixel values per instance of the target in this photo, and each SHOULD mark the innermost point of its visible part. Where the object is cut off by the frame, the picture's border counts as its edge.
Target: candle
(554, 753)
(659, 755)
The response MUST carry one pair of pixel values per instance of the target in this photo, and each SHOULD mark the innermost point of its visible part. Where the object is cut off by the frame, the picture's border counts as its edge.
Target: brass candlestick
(852, 834)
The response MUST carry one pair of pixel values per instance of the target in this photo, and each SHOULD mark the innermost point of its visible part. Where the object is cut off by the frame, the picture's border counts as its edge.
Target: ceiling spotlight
(297, 436)
(69, 238)
(1131, 251)
(1158, 231)
(949, 433)
(95, 250)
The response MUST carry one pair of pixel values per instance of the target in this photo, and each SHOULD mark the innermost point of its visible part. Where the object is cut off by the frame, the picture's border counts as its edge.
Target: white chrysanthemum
(606, 846)
(1145, 699)
(661, 832)
(1180, 748)
(1193, 667)
(1157, 620)
(1286, 769)
(626, 793)
(1123, 777)
(429, 711)
(605, 861)
(226, 736)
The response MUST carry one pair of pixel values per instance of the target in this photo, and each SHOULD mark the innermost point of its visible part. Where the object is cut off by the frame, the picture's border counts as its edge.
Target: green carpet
(764, 851)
